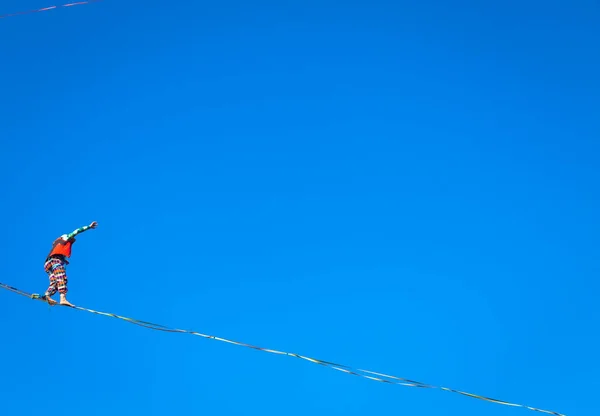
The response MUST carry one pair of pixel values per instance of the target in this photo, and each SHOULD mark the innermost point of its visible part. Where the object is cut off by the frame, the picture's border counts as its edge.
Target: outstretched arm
(79, 230)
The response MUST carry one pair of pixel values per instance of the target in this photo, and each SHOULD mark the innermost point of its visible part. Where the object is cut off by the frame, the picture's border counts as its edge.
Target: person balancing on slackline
(56, 263)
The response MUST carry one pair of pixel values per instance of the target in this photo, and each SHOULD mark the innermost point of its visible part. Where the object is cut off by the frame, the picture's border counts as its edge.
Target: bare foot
(65, 302)
(50, 301)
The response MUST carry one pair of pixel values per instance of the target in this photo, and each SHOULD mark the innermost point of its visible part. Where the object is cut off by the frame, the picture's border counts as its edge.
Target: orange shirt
(62, 247)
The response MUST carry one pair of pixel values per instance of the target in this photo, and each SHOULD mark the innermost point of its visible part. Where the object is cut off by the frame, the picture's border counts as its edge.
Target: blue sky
(408, 187)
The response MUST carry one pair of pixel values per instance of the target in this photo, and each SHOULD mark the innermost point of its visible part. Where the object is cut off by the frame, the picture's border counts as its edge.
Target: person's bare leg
(61, 280)
(51, 291)
(49, 299)
(64, 301)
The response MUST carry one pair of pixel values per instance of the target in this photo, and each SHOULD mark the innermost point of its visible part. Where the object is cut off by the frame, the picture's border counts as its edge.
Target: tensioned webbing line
(46, 9)
(371, 375)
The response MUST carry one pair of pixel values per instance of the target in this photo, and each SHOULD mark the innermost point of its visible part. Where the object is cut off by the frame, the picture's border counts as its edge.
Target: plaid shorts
(56, 270)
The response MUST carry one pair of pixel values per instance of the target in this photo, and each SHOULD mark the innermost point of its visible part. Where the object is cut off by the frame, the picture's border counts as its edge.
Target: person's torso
(61, 247)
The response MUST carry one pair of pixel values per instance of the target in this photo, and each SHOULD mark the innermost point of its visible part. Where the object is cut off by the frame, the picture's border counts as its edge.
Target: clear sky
(407, 187)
